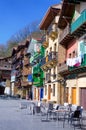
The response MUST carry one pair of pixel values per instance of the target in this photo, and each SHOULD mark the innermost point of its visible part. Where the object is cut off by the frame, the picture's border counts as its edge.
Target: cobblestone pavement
(14, 118)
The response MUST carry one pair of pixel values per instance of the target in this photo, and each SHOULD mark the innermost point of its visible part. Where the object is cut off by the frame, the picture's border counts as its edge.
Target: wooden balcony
(78, 28)
(25, 51)
(79, 69)
(65, 36)
(26, 84)
(19, 64)
(45, 44)
(53, 35)
(14, 60)
(18, 54)
(5, 67)
(19, 74)
(26, 62)
(63, 68)
(26, 71)
(38, 82)
(18, 84)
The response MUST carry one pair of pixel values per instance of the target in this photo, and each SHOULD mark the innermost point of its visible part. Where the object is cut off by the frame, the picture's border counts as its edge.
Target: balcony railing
(62, 68)
(25, 83)
(36, 69)
(5, 66)
(19, 64)
(25, 51)
(64, 33)
(45, 44)
(26, 71)
(18, 54)
(19, 73)
(81, 67)
(37, 81)
(52, 57)
(79, 22)
(26, 61)
(14, 59)
(53, 35)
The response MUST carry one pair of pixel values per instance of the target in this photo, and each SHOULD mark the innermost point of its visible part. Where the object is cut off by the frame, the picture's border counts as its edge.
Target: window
(54, 73)
(55, 47)
(74, 54)
(45, 89)
(70, 55)
(53, 89)
(50, 49)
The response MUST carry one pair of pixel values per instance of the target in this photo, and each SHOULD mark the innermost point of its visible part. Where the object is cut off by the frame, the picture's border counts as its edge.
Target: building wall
(61, 54)
(71, 83)
(72, 47)
(52, 96)
(82, 6)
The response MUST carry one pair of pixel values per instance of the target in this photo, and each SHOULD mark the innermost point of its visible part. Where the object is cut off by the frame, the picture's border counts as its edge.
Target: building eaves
(66, 14)
(14, 51)
(49, 16)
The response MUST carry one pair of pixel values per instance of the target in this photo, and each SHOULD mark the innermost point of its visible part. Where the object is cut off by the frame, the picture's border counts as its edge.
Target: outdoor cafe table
(61, 113)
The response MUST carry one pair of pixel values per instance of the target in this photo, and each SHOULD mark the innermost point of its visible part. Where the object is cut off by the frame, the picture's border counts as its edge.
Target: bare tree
(20, 35)
(2, 50)
(30, 30)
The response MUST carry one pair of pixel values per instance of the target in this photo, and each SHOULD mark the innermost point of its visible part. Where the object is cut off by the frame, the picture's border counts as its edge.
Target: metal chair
(46, 112)
(76, 118)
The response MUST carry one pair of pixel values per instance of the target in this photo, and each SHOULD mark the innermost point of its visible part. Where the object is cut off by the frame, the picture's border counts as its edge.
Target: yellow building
(49, 62)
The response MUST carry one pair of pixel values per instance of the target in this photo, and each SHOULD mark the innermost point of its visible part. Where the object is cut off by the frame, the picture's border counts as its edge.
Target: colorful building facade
(72, 24)
(21, 83)
(37, 73)
(49, 62)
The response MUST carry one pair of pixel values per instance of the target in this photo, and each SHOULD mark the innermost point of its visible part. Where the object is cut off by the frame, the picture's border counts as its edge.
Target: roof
(14, 50)
(49, 16)
(20, 45)
(2, 58)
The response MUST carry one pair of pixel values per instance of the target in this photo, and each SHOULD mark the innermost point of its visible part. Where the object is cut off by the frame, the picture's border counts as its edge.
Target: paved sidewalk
(14, 118)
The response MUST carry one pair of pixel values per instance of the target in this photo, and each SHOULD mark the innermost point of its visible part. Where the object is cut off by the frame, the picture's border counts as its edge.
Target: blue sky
(16, 14)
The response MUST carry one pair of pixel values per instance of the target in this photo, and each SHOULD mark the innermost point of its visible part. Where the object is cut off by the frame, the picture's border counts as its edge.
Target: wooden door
(49, 92)
(66, 94)
(74, 95)
(82, 97)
